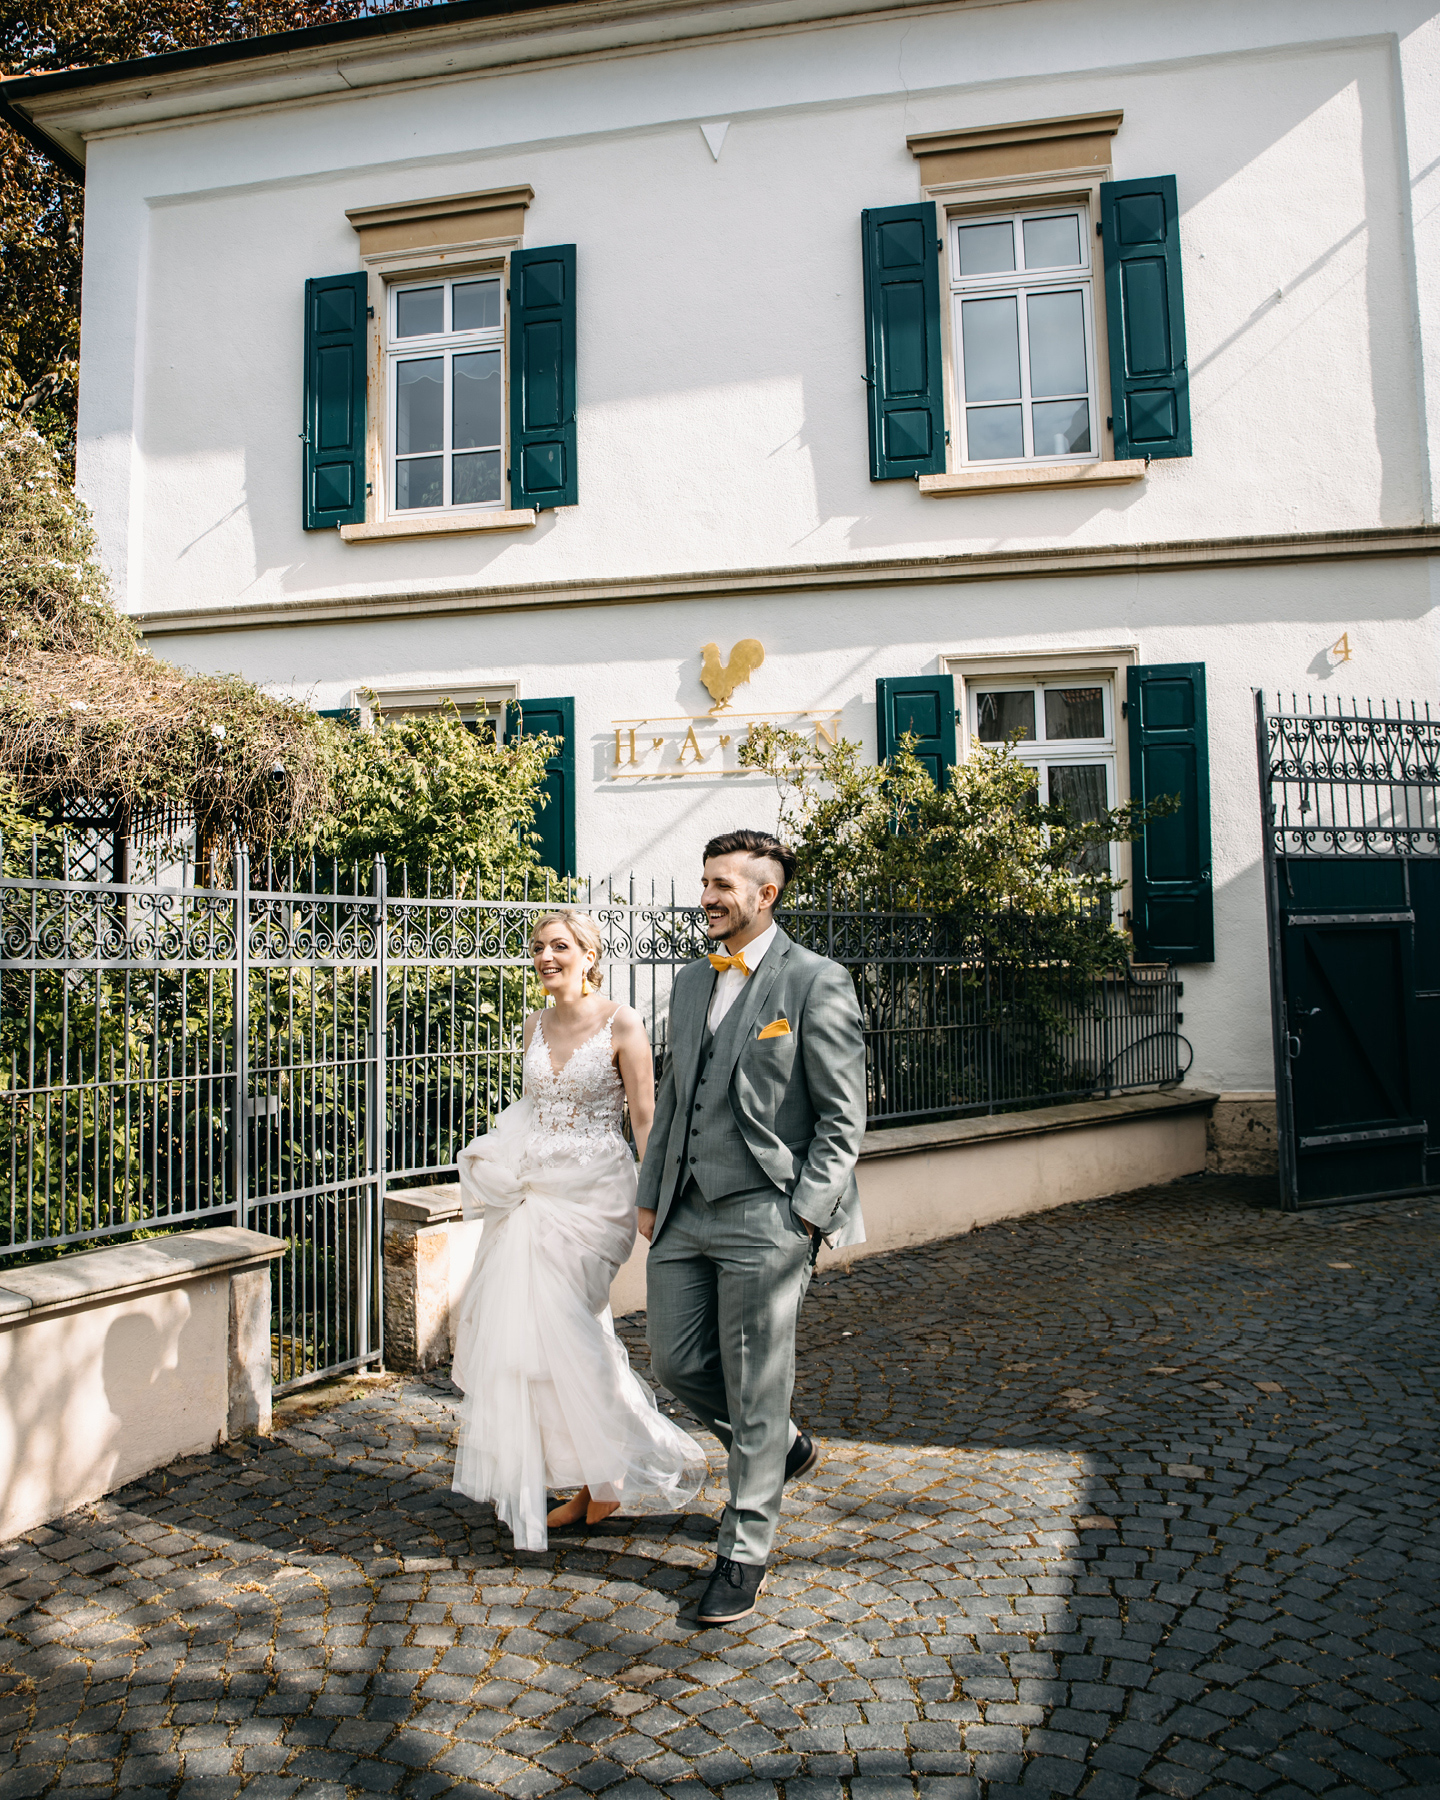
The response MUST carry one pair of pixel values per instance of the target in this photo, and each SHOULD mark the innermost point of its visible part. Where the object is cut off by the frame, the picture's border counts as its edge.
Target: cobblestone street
(1137, 1496)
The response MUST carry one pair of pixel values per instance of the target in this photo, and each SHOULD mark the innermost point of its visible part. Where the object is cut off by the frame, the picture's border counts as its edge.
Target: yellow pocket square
(776, 1028)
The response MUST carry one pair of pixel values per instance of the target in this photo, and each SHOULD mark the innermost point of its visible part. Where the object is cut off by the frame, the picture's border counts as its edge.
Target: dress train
(550, 1397)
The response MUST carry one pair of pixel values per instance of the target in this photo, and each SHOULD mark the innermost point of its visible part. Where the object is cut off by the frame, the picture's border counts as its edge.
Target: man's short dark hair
(755, 843)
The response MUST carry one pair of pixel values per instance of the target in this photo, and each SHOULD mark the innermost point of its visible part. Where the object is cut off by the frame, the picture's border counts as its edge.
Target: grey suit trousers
(725, 1285)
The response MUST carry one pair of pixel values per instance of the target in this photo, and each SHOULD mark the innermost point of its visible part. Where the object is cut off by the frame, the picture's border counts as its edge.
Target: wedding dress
(550, 1397)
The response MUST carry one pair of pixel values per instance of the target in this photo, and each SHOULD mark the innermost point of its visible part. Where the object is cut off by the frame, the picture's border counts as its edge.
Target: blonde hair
(586, 934)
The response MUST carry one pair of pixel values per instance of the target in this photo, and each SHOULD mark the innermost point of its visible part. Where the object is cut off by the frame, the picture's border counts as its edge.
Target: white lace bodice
(580, 1111)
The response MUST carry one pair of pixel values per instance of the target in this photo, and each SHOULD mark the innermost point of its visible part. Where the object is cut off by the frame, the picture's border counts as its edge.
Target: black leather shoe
(732, 1593)
(802, 1457)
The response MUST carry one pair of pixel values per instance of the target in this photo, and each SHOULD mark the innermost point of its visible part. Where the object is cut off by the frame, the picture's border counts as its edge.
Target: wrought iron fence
(1351, 784)
(279, 1051)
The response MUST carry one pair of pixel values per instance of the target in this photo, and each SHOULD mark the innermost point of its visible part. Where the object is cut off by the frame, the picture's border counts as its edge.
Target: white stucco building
(1003, 352)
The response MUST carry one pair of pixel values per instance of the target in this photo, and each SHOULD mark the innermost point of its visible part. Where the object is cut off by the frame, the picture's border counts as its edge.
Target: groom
(751, 1161)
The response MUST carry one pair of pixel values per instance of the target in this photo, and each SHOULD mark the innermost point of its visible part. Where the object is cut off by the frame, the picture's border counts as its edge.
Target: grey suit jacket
(797, 1097)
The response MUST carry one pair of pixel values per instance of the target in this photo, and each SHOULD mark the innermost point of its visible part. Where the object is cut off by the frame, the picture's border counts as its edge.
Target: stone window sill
(1047, 475)
(459, 526)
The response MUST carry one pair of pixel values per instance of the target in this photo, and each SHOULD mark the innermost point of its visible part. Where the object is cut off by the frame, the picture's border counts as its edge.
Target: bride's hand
(645, 1222)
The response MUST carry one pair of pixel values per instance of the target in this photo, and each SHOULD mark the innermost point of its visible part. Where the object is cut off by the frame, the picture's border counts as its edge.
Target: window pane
(994, 431)
(475, 479)
(474, 305)
(991, 333)
(1074, 713)
(476, 419)
(418, 483)
(998, 716)
(1057, 344)
(420, 405)
(987, 249)
(1081, 791)
(1061, 427)
(1052, 243)
(419, 311)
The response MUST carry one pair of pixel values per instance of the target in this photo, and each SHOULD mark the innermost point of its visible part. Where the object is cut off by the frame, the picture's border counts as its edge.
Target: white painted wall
(1251, 627)
(91, 1399)
(722, 412)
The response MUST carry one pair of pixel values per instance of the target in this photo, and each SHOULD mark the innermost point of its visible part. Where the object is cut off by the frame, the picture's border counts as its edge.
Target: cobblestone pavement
(1132, 1497)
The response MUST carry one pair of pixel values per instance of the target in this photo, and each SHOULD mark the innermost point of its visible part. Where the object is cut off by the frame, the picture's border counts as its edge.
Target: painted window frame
(968, 202)
(1020, 284)
(977, 672)
(483, 704)
(447, 344)
(386, 269)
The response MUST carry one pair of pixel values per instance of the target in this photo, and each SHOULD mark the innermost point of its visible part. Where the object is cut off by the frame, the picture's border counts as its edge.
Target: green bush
(428, 793)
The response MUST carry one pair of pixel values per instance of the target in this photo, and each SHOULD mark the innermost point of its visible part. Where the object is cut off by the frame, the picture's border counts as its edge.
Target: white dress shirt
(730, 983)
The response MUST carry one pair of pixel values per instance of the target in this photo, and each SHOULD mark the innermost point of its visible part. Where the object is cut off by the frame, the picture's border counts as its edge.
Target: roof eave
(40, 139)
(52, 112)
(16, 90)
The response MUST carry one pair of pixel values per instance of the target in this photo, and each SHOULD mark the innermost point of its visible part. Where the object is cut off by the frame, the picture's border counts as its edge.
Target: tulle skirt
(550, 1398)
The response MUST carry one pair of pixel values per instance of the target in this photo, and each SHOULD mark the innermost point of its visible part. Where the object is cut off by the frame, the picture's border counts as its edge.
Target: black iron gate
(1351, 810)
(308, 1146)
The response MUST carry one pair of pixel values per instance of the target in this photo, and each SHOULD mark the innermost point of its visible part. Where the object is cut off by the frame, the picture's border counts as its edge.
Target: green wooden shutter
(335, 401)
(555, 821)
(904, 373)
(1172, 905)
(922, 706)
(345, 715)
(1145, 317)
(542, 378)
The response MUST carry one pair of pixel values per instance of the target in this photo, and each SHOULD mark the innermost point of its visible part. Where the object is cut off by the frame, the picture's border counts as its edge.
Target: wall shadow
(89, 1395)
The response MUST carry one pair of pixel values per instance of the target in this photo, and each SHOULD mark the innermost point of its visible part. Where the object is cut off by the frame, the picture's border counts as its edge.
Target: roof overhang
(60, 112)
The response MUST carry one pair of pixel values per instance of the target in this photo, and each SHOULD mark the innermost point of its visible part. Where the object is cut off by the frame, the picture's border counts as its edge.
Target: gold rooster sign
(722, 679)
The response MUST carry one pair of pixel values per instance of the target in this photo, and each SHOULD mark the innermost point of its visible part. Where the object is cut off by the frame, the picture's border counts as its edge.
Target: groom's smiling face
(739, 895)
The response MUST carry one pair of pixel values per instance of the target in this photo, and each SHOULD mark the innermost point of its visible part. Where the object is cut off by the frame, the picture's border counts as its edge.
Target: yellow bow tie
(722, 962)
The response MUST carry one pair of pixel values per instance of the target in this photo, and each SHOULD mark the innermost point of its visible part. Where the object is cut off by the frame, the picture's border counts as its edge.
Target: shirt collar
(757, 947)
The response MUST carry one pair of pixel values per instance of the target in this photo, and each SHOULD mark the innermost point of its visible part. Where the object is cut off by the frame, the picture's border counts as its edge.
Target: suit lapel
(689, 1006)
(750, 1004)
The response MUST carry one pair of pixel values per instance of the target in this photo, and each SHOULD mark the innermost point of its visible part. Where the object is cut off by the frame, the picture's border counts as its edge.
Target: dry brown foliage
(87, 717)
(160, 747)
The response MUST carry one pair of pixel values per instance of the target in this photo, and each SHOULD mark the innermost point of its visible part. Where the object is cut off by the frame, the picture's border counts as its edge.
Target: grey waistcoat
(723, 1164)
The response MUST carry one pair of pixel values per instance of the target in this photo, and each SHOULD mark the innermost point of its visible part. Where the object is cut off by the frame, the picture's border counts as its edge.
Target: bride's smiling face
(560, 962)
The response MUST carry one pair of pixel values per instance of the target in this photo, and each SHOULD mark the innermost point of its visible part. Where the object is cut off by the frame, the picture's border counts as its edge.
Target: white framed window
(482, 708)
(1067, 735)
(445, 383)
(1023, 318)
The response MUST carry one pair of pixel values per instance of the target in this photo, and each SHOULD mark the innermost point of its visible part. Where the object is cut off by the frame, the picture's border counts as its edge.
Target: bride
(550, 1398)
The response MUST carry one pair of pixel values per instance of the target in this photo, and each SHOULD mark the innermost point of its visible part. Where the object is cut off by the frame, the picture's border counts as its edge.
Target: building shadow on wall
(80, 1391)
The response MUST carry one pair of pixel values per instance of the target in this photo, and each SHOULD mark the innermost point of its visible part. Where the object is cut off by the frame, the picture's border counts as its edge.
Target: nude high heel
(571, 1512)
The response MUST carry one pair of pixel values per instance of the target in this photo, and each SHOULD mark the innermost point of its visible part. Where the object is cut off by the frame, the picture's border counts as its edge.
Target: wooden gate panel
(1350, 1006)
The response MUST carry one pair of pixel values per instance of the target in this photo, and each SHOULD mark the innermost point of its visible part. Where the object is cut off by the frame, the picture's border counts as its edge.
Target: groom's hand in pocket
(645, 1222)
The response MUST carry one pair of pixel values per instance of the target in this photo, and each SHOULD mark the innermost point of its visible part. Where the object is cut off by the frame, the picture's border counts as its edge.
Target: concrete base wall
(93, 1399)
(1242, 1135)
(918, 1192)
(918, 1184)
(922, 1183)
(114, 1362)
(430, 1254)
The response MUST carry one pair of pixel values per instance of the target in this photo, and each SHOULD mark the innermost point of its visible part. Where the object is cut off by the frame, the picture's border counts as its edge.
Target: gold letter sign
(679, 749)
(659, 746)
